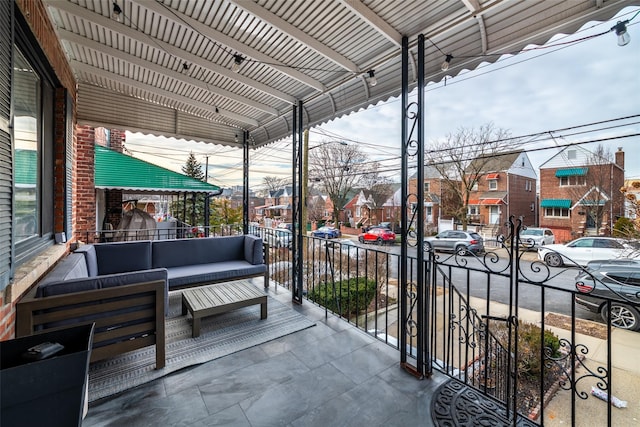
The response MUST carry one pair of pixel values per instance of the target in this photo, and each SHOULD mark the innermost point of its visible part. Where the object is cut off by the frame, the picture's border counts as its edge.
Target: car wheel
(553, 259)
(379, 241)
(361, 239)
(462, 250)
(428, 247)
(622, 316)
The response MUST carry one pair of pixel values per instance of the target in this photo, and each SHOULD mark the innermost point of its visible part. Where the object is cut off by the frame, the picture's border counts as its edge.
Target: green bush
(529, 348)
(529, 338)
(625, 228)
(351, 295)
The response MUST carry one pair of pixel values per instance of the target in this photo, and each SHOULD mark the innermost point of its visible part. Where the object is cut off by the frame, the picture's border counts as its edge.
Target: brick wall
(35, 12)
(520, 197)
(86, 198)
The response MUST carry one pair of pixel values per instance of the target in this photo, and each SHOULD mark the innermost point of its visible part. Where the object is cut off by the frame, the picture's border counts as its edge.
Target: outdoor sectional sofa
(123, 287)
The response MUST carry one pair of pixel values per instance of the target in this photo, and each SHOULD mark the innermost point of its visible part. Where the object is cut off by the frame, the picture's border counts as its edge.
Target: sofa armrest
(126, 317)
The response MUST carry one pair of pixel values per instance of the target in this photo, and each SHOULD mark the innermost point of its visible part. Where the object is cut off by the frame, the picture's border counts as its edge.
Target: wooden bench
(215, 299)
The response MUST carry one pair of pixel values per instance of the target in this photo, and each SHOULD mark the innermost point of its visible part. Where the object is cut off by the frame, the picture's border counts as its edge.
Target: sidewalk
(625, 362)
(625, 384)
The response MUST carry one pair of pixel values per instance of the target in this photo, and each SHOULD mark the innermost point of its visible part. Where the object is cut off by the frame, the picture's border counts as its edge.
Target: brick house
(360, 210)
(580, 192)
(506, 187)
(278, 204)
(438, 199)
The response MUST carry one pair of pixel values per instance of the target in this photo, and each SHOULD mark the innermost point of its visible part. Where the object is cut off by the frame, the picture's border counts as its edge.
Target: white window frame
(493, 184)
(557, 213)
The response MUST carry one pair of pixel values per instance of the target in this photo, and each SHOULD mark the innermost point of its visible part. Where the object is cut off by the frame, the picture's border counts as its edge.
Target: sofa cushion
(72, 266)
(184, 252)
(122, 257)
(90, 258)
(187, 275)
(253, 251)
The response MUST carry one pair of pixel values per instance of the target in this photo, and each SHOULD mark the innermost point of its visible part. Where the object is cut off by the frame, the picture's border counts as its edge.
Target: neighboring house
(437, 197)
(391, 209)
(632, 198)
(360, 208)
(580, 193)
(506, 187)
(278, 204)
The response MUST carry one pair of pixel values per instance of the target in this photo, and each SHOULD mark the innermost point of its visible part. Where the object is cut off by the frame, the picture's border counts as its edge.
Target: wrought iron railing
(502, 322)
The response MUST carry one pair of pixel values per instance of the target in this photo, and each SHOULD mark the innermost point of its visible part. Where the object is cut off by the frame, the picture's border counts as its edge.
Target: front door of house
(494, 214)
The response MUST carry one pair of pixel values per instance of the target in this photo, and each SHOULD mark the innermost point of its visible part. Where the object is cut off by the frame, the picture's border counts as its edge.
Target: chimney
(620, 157)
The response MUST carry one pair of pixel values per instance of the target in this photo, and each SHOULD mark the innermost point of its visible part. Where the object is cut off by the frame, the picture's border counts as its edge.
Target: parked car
(377, 235)
(344, 247)
(278, 238)
(616, 280)
(458, 241)
(585, 249)
(326, 232)
(286, 226)
(534, 237)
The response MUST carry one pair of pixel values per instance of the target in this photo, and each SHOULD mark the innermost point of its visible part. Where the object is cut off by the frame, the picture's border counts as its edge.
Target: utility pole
(305, 180)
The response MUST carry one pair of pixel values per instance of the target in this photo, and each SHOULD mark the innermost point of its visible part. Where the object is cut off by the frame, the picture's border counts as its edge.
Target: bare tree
(273, 183)
(464, 157)
(315, 208)
(338, 168)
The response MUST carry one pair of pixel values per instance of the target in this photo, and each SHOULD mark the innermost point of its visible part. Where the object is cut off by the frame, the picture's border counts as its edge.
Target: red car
(377, 235)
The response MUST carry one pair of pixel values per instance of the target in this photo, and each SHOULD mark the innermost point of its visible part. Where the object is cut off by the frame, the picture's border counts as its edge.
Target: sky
(549, 90)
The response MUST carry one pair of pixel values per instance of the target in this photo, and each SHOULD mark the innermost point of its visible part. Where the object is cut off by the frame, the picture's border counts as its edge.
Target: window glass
(27, 153)
(493, 184)
(583, 243)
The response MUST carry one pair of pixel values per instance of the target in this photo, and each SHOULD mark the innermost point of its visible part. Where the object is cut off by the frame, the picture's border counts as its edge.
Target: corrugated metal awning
(115, 170)
(560, 173)
(556, 203)
(168, 68)
(493, 175)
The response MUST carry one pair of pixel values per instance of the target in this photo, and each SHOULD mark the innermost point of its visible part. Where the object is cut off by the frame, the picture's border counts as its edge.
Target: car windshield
(530, 232)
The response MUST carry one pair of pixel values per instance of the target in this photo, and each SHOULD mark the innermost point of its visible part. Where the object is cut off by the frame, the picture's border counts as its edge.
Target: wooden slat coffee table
(206, 301)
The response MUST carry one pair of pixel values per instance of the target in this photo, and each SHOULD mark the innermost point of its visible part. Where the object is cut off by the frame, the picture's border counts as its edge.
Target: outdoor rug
(220, 335)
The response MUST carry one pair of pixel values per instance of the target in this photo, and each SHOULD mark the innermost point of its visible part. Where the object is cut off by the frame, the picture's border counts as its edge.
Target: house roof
(167, 68)
(114, 170)
(497, 163)
(575, 157)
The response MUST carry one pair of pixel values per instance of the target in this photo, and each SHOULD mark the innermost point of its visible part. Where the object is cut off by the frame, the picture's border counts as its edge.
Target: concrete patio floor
(329, 375)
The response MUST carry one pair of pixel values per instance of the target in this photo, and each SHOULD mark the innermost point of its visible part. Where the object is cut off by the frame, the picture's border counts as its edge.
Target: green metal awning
(556, 203)
(560, 173)
(115, 170)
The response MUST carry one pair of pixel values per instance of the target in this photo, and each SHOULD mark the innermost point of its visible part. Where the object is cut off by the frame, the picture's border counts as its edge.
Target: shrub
(351, 295)
(529, 338)
(624, 228)
(529, 348)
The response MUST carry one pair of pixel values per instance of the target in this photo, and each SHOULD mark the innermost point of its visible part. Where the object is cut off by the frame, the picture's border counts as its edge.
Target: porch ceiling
(165, 67)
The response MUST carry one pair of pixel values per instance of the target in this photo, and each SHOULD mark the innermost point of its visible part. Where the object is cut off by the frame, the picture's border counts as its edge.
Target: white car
(277, 237)
(534, 237)
(585, 249)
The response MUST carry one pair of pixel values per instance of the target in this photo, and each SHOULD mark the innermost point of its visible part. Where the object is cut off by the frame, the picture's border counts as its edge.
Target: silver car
(460, 242)
(534, 237)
